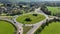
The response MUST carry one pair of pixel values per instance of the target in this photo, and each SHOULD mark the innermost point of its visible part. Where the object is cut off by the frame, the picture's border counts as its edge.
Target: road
(37, 25)
(20, 28)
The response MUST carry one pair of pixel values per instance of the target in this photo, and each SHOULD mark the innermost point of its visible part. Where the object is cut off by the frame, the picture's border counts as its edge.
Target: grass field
(34, 19)
(53, 28)
(26, 29)
(6, 28)
(53, 10)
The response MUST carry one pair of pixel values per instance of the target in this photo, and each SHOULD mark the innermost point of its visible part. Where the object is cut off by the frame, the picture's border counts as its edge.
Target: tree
(17, 11)
(20, 6)
(58, 14)
(35, 15)
(43, 7)
(45, 10)
(27, 19)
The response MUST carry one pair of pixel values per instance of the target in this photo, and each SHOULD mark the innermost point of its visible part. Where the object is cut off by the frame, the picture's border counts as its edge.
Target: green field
(53, 10)
(6, 28)
(53, 28)
(34, 19)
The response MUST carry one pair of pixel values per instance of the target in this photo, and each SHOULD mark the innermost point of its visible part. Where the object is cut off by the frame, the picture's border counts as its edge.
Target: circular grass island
(30, 18)
(6, 27)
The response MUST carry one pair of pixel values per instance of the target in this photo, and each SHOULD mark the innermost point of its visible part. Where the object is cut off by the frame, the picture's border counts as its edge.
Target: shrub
(34, 14)
(27, 19)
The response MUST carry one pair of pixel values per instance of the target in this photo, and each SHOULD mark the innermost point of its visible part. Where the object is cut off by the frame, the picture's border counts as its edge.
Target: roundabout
(34, 20)
(30, 18)
(6, 27)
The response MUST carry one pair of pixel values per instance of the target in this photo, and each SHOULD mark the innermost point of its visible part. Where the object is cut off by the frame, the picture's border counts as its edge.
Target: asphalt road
(37, 25)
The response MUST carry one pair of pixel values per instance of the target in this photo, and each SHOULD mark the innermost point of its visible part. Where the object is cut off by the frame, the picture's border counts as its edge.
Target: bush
(38, 31)
(34, 14)
(27, 19)
(43, 25)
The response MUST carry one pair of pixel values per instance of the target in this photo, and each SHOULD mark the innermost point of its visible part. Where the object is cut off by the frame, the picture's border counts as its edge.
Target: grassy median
(26, 29)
